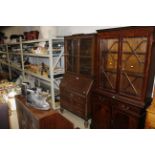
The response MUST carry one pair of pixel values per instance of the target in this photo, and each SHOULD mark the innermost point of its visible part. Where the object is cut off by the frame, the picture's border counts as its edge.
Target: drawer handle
(113, 97)
(77, 78)
(101, 98)
(125, 107)
(84, 92)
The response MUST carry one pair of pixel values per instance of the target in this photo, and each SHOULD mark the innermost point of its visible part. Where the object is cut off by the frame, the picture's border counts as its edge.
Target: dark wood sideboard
(30, 118)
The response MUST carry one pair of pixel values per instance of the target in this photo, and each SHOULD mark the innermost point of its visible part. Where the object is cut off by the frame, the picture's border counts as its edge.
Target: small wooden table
(30, 118)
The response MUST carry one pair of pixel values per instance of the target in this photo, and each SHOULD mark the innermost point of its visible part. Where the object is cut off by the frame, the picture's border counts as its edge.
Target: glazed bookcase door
(86, 47)
(134, 52)
(109, 49)
(71, 55)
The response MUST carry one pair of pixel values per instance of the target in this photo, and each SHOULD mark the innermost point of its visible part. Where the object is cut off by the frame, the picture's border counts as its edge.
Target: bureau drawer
(78, 109)
(127, 108)
(100, 99)
(73, 97)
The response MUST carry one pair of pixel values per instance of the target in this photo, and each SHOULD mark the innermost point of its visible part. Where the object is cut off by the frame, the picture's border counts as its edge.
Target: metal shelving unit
(54, 57)
(6, 60)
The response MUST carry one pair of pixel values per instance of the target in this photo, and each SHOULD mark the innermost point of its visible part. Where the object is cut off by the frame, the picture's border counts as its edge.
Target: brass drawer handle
(84, 92)
(113, 97)
(101, 98)
(77, 78)
(125, 107)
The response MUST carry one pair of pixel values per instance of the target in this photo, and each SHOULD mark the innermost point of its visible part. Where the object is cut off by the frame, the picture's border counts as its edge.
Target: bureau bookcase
(75, 88)
(124, 69)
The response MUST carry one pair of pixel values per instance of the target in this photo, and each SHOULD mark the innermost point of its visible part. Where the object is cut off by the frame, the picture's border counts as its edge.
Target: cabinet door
(108, 61)
(123, 120)
(101, 115)
(71, 52)
(86, 55)
(134, 56)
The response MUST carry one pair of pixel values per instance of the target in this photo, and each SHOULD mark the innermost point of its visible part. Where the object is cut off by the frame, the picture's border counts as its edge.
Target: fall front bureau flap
(78, 84)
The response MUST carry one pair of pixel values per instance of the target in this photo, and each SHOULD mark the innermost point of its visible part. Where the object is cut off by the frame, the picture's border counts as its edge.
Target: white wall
(18, 29)
(52, 31)
(45, 31)
(69, 30)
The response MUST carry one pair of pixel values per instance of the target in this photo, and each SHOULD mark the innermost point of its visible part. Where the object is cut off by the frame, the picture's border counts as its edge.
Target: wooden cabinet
(75, 95)
(122, 119)
(79, 54)
(109, 113)
(76, 85)
(30, 118)
(101, 116)
(125, 73)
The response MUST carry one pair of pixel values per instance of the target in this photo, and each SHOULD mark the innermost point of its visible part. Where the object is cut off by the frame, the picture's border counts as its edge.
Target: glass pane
(71, 55)
(131, 85)
(72, 47)
(85, 65)
(108, 62)
(137, 45)
(108, 80)
(86, 47)
(71, 64)
(133, 65)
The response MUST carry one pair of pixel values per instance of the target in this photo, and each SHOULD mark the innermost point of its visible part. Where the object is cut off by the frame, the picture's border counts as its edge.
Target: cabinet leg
(86, 124)
(61, 110)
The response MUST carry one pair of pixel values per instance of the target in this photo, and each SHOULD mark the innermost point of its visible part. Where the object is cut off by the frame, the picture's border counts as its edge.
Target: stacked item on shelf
(32, 35)
(40, 69)
(3, 53)
(35, 98)
(2, 37)
(14, 38)
(42, 59)
(36, 48)
(8, 90)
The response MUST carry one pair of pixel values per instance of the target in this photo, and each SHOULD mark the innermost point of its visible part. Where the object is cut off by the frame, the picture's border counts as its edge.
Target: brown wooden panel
(101, 112)
(123, 120)
(30, 118)
(74, 94)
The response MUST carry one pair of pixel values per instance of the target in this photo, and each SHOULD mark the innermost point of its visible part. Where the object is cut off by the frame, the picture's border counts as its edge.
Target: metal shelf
(55, 56)
(37, 75)
(37, 55)
(5, 63)
(57, 72)
(1, 52)
(15, 67)
(18, 43)
(12, 53)
(34, 41)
